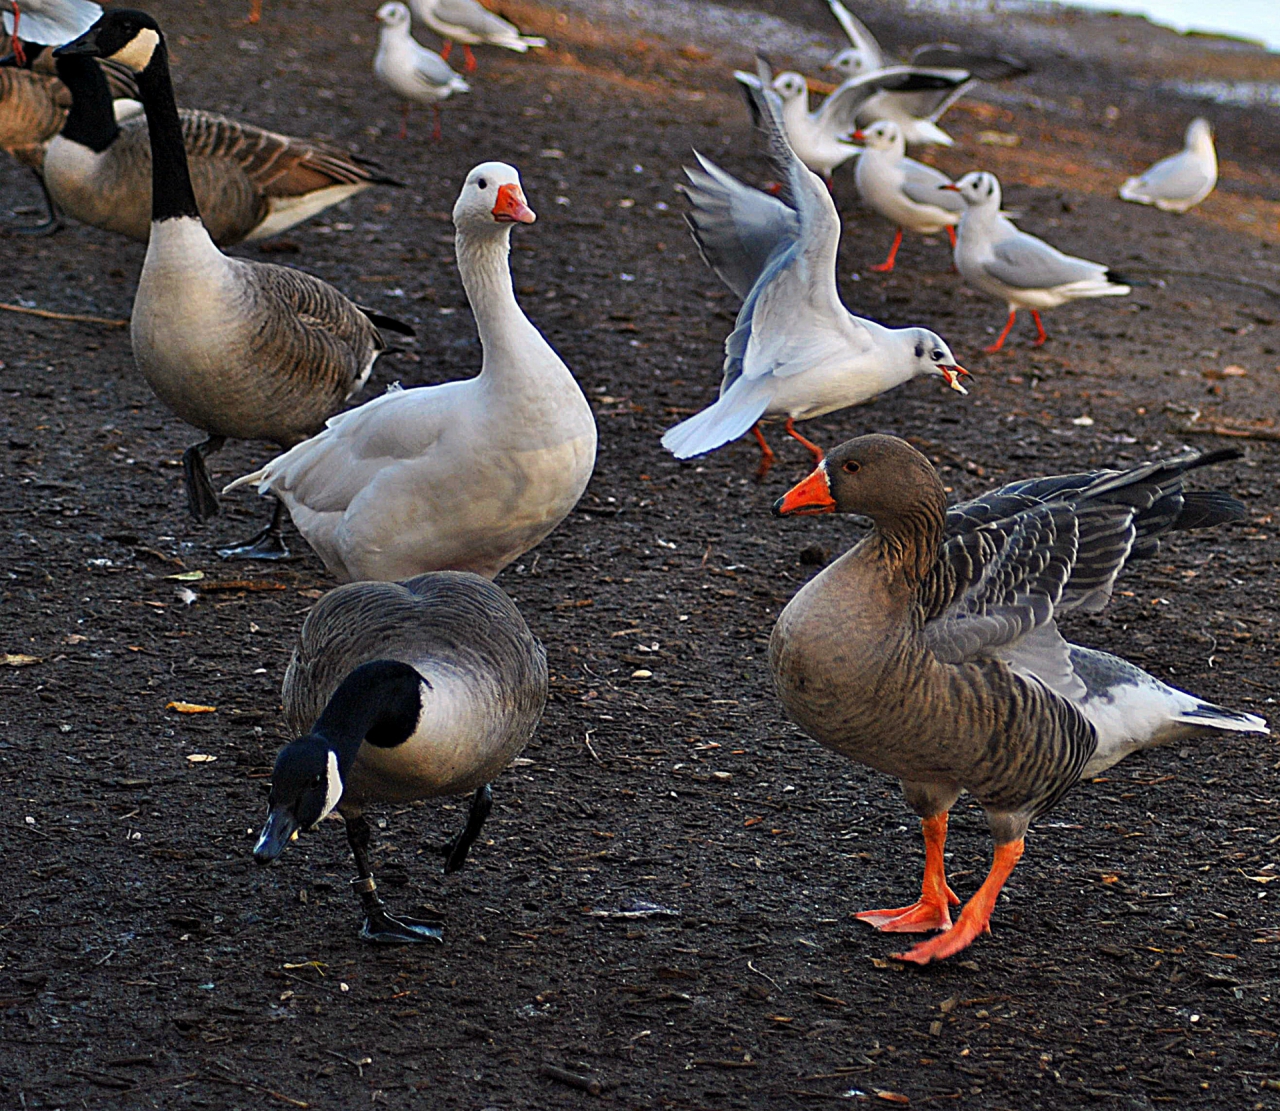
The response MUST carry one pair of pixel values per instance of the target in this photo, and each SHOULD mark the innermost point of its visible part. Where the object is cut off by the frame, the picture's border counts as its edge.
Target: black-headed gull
(48, 22)
(1025, 272)
(410, 69)
(902, 190)
(796, 351)
(1182, 180)
(472, 24)
(820, 138)
(915, 110)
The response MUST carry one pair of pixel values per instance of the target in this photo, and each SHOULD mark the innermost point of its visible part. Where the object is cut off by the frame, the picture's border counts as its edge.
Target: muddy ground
(146, 962)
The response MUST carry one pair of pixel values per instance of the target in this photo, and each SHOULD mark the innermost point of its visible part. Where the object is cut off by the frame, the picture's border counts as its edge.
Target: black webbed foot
(202, 499)
(387, 929)
(455, 852)
(267, 544)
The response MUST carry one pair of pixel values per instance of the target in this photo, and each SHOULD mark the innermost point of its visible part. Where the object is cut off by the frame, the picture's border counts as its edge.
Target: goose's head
(121, 35)
(850, 62)
(790, 86)
(305, 786)
(979, 189)
(491, 197)
(881, 135)
(394, 15)
(874, 476)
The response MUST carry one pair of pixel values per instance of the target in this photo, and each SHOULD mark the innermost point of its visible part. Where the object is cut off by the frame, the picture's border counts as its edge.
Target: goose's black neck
(378, 703)
(171, 192)
(91, 121)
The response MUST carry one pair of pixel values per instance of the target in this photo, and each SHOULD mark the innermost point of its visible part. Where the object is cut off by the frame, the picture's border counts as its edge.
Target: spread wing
(738, 229)
(918, 89)
(986, 67)
(859, 37)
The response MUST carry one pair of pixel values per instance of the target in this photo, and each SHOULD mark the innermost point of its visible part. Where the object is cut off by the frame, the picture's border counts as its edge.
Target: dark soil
(146, 962)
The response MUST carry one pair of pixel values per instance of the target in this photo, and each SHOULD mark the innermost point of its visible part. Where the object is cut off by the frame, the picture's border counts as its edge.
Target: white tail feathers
(734, 414)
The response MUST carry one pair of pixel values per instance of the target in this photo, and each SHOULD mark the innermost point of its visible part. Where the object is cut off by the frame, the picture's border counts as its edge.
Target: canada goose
(49, 22)
(410, 69)
(402, 691)
(249, 183)
(464, 475)
(471, 23)
(236, 348)
(930, 651)
(1025, 272)
(33, 107)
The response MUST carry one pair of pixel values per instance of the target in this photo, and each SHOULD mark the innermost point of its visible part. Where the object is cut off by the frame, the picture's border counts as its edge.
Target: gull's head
(491, 197)
(789, 86)
(120, 35)
(1200, 134)
(930, 355)
(394, 15)
(979, 189)
(305, 787)
(881, 135)
(848, 63)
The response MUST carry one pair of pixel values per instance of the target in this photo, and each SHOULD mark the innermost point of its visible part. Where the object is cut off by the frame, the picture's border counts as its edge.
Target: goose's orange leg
(1008, 327)
(975, 919)
(766, 453)
(930, 911)
(887, 265)
(818, 454)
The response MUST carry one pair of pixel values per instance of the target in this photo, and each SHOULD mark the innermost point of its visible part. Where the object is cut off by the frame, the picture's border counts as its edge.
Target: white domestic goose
(464, 475)
(238, 349)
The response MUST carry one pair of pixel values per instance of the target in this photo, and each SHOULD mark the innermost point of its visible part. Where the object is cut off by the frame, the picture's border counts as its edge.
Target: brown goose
(236, 348)
(930, 650)
(249, 183)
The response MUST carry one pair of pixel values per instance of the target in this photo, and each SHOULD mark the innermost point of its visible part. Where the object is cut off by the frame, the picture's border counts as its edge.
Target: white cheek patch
(136, 53)
(332, 787)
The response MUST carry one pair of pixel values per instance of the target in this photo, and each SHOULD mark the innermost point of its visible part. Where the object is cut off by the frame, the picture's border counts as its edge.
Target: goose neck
(485, 269)
(91, 122)
(378, 703)
(171, 193)
(907, 541)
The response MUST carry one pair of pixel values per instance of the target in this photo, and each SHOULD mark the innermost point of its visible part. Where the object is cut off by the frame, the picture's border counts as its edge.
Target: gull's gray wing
(474, 17)
(986, 67)
(737, 228)
(861, 39)
(1179, 177)
(1025, 262)
(923, 184)
(839, 113)
(925, 94)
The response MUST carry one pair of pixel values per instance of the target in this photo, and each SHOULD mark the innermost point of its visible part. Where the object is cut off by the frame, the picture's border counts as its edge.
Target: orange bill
(807, 498)
(510, 207)
(953, 374)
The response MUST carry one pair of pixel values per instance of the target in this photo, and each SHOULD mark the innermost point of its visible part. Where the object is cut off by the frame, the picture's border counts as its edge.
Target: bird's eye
(319, 779)
(937, 356)
(852, 466)
(482, 184)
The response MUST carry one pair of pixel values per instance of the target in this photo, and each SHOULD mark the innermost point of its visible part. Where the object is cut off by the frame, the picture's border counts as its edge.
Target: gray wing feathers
(737, 228)
(922, 184)
(1025, 262)
(742, 402)
(1178, 178)
(475, 17)
(859, 37)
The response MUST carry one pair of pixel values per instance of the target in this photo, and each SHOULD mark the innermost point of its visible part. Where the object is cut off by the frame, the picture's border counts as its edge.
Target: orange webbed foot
(919, 918)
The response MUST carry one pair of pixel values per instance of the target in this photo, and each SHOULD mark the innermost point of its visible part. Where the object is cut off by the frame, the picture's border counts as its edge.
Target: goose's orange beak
(807, 498)
(510, 207)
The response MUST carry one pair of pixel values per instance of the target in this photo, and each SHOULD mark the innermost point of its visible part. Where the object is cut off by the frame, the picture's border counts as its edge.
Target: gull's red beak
(510, 207)
(950, 187)
(858, 136)
(953, 374)
(807, 498)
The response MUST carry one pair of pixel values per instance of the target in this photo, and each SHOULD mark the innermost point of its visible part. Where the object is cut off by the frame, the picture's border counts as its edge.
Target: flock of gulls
(929, 651)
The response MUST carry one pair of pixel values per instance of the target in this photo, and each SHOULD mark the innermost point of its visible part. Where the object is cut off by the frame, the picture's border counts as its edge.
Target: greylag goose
(402, 691)
(993, 256)
(249, 183)
(472, 24)
(930, 650)
(238, 349)
(411, 70)
(465, 475)
(1182, 180)
(796, 352)
(902, 190)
